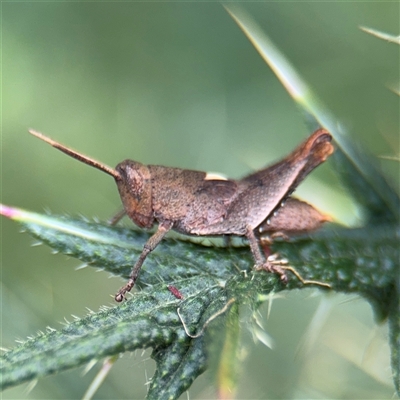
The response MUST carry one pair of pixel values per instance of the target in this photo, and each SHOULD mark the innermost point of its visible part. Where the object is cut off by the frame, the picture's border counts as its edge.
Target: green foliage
(363, 261)
(360, 174)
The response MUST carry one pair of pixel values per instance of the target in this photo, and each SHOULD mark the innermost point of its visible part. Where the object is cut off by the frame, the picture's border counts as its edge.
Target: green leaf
(360, 261)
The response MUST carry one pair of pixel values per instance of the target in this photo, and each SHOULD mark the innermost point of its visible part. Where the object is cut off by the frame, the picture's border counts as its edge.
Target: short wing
(189, 199)
(210, 206)
(221, 191)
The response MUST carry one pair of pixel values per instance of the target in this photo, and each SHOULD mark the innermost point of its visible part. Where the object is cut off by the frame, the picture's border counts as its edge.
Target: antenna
(76, 155)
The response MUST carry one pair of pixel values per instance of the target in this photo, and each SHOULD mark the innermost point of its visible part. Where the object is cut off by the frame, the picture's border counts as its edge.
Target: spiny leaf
(149, 319)
(361, 261)
(351, 260)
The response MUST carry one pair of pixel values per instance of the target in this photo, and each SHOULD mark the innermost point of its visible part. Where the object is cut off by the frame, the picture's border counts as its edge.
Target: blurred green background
(178, 84)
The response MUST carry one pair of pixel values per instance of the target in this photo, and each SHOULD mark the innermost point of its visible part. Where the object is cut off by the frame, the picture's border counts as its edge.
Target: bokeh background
(178, 84)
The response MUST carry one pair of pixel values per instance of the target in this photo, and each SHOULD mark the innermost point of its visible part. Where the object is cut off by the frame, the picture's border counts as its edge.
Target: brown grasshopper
(195, 203)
